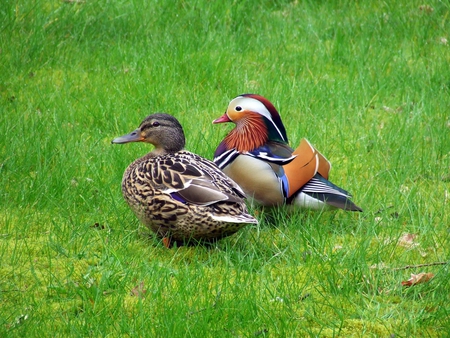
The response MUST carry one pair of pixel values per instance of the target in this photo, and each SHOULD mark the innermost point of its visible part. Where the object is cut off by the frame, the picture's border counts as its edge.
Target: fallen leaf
(418, 279)
(139, 290)
(426, 8)
(407, 241)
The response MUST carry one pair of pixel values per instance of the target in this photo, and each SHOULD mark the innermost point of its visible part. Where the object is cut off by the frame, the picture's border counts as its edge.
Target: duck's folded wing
(203, 192)
(322, 189)
(189, 183)
(303, 168)
(273, 152)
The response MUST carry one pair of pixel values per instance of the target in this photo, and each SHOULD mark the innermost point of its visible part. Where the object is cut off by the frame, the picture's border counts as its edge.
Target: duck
(257, 156)
(181, 196)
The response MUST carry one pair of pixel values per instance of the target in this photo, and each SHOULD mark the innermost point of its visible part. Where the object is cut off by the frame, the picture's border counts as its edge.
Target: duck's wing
(192, 179)
(273, 152)
(307, 163)
(325, 191)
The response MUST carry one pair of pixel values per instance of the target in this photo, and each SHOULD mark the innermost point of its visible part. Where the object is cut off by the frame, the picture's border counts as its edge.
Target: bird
(179, 195)
(257, 156)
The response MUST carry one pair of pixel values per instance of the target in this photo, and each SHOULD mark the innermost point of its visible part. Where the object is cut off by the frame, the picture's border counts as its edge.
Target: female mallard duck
(177, 194)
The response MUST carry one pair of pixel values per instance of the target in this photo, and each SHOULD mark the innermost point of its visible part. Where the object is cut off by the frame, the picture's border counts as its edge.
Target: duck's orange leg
(166, 242)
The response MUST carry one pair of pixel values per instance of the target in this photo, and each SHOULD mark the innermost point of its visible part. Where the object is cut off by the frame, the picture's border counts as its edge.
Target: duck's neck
(154, 153)
(250, 133)
(158, 151)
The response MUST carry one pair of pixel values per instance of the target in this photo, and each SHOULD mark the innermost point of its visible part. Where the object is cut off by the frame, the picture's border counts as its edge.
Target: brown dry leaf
(138, 290)
(426, 8)
(418, 279)
(408, 241)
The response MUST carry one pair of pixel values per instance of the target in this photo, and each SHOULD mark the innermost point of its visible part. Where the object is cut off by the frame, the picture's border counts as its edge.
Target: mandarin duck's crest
(256, 154)
(177, 194)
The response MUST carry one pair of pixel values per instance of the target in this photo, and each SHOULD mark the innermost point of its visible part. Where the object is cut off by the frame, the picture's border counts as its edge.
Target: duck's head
(256, 119)
(162, 130)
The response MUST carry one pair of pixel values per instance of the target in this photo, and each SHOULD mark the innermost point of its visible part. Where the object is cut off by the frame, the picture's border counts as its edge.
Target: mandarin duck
(177, 194)
(256, 154)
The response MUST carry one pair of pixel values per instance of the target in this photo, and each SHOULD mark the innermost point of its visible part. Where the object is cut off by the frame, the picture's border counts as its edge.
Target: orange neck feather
(250, 133)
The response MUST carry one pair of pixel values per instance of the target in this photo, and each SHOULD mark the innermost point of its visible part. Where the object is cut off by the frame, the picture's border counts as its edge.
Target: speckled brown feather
(183, 196)
(144, 187)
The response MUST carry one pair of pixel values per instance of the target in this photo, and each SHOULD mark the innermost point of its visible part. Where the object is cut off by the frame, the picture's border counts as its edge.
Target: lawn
(368, 83)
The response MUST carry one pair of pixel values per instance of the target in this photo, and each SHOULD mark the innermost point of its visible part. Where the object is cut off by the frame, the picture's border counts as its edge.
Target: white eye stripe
(251, 104)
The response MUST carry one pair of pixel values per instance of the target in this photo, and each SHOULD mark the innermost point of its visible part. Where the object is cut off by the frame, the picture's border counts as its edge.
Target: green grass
(367, 83)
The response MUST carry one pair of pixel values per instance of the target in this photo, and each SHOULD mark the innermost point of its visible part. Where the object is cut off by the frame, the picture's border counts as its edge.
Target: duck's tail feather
(325, 191)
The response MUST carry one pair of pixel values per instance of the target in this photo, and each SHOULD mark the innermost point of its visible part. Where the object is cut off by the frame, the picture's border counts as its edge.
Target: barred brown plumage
(176, 193)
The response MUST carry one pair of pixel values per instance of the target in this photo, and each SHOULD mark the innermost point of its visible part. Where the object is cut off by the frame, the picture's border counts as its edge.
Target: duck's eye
(238, 108)
(155, 124)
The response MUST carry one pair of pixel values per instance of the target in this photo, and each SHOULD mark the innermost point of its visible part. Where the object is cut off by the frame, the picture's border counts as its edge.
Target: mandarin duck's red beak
(224, 118)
